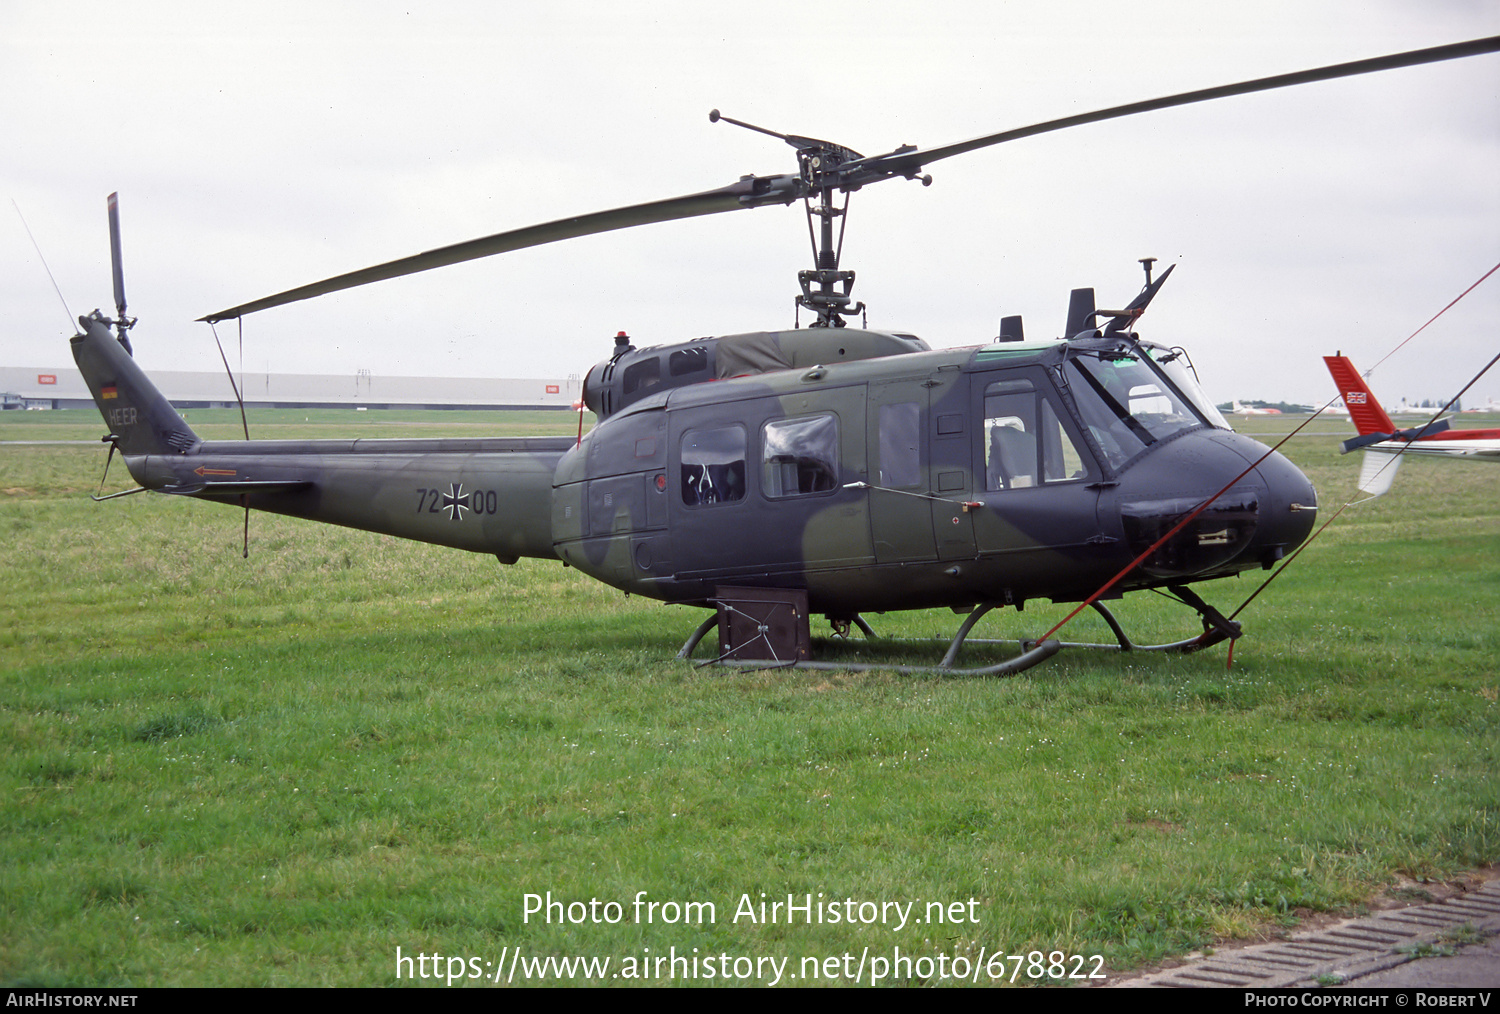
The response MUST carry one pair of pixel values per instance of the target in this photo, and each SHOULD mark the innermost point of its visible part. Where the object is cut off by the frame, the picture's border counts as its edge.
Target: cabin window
(900, 443)
(686, 362)
(713, 465)
(1025, 442)
(800, 456)
(642, 374)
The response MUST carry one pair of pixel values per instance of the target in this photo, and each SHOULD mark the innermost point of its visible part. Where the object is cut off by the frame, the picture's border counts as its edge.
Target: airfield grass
(277, 771)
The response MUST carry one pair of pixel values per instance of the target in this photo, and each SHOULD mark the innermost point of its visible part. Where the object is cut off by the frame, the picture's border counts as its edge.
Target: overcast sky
(258, 146)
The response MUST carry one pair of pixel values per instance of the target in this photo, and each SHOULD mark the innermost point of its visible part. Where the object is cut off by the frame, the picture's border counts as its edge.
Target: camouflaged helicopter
(828, 469)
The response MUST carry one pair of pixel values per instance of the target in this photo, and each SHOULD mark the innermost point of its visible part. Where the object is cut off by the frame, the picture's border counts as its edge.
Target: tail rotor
(122, 323)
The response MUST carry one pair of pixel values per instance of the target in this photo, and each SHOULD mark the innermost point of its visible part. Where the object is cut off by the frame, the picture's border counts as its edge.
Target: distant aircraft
(1247, 410)
(1384, 443)
(1421, 410)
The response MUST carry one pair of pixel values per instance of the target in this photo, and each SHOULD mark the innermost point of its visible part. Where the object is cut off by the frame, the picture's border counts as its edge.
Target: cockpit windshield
(1179, 370)
(1126, 404)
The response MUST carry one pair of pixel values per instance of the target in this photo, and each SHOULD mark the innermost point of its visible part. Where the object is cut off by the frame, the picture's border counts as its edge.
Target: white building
(63, 387)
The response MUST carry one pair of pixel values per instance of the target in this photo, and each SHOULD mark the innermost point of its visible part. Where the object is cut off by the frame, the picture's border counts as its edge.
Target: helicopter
(827, 469)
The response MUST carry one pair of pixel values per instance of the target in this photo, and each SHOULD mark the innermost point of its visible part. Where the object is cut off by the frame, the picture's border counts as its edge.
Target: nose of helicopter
(1266, 512)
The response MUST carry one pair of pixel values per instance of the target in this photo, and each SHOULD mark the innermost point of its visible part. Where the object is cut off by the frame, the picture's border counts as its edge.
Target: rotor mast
(823, 169)
(831, 300)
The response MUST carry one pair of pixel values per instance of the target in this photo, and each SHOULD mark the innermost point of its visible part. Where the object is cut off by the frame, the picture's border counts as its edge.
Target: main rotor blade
(749, 192)
(114, 253)
(908, 162)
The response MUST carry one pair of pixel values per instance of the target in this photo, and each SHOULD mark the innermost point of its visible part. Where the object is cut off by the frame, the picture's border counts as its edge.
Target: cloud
(257, 147)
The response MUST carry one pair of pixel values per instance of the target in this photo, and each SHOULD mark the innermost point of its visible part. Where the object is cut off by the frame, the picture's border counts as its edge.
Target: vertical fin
(1364, 410)
(139, 416)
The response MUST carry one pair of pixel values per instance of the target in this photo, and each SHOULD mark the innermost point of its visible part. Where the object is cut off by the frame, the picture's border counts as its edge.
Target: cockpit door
(921, 468)
(1038, 483)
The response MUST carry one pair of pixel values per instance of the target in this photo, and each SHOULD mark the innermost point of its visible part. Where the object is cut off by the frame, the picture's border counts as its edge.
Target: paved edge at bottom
(1336, 954)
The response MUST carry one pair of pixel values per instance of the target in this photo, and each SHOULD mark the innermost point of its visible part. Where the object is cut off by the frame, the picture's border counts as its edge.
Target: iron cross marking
(456, 501)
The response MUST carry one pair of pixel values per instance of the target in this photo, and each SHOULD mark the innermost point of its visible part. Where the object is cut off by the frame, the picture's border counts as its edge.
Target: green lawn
(278, 771)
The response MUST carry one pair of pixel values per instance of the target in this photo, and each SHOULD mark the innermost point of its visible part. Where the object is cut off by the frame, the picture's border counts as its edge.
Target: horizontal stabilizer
(1413, 433)
(1425, 430)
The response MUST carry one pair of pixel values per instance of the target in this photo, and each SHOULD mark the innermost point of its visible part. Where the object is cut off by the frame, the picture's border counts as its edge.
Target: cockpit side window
(713, 465)
(1026, 443)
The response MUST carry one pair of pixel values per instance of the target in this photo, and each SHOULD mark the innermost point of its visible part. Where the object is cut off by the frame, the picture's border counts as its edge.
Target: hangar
(25, 387)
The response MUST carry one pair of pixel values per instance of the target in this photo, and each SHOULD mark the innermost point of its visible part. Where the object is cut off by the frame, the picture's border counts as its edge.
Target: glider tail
(1364, 410)
(1378, 471)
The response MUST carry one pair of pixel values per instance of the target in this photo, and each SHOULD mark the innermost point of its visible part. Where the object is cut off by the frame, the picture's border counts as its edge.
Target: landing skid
(1037, 653)
(1216, 629)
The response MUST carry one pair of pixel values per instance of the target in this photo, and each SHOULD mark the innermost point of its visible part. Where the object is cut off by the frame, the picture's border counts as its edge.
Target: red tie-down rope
(1204, 505)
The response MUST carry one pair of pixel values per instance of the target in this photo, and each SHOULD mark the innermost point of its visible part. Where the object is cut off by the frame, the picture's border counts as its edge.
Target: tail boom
(486, 495)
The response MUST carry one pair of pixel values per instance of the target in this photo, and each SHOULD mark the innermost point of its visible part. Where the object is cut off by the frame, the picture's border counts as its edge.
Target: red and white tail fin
(1364, 410)
(1379, 468)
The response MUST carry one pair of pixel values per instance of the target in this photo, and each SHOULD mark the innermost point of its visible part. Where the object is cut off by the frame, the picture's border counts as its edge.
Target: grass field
(278, 771)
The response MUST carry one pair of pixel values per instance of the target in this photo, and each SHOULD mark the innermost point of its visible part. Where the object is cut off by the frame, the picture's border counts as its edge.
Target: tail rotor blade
(114, 254)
